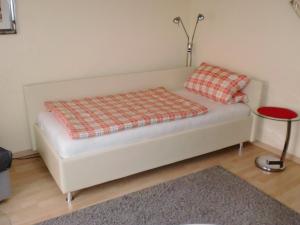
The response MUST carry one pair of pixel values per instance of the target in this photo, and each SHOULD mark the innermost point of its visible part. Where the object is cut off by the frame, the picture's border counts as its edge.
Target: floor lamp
(177, 20)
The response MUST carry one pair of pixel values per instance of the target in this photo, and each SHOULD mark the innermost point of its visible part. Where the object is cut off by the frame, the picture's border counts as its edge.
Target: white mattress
(68, 147)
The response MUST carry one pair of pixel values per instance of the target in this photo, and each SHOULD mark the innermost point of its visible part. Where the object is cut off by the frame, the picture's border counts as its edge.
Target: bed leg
(241, 148)
(69, 197)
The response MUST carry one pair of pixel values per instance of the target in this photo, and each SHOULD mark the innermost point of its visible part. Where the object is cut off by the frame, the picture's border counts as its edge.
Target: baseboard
(276, 151)
(25, 154)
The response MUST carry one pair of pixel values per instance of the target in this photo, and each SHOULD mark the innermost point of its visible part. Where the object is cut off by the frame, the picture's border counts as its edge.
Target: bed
(80, 164)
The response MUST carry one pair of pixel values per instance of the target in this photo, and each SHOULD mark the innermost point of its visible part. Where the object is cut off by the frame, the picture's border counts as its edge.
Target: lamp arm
(194, 31)
(188, 37)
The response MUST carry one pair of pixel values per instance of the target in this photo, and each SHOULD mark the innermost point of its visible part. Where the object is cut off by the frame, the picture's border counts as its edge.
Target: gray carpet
(212, 196)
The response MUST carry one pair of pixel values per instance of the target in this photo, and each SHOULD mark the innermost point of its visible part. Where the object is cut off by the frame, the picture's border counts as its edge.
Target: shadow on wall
(259, 121)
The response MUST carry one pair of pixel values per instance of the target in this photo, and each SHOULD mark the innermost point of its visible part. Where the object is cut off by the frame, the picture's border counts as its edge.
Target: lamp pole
(177, 20)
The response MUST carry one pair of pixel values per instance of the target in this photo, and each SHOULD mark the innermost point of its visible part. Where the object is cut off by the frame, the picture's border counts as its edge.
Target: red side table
(268, 162)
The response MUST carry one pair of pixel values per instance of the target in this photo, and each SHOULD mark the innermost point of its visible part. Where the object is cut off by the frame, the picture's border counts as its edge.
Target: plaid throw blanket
(95, 116)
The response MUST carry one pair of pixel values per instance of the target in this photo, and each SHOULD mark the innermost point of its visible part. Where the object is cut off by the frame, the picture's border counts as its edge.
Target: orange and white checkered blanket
(95, 116)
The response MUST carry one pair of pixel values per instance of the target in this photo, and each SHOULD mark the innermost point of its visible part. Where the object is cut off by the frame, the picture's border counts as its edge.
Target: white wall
(260, 38)
(73, 38)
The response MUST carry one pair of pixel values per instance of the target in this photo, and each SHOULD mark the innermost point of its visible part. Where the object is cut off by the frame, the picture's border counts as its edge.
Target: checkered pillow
(216, 83)
(239, 97)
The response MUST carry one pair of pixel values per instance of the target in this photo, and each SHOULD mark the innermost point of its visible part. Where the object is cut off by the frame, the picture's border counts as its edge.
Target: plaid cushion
(239, 97)
(94, 116)
(216, 83)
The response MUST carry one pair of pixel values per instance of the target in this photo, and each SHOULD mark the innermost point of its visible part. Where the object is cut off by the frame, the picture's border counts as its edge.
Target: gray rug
(212, 196)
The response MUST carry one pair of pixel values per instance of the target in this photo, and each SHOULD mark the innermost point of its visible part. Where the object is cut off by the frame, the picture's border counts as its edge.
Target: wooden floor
(36, 196)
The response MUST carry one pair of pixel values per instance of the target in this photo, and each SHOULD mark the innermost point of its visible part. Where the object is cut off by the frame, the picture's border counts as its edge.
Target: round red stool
(268, 162)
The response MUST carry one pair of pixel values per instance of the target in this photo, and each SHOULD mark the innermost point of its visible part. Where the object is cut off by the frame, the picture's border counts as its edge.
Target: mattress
(67, 147)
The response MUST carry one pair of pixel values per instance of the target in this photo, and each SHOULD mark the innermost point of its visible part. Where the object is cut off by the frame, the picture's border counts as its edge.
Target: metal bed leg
(69, 197)
(241, 148)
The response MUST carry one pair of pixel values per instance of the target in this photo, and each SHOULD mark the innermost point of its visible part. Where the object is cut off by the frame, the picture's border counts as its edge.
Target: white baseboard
(25, 153)
(276, 151)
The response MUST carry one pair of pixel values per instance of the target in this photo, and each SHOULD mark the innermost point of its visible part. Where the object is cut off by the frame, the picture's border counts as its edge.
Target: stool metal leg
(271, 163)
(287, 140)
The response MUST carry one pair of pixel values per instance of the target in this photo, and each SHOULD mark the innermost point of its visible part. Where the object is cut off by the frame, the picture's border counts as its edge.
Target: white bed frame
(92, 168)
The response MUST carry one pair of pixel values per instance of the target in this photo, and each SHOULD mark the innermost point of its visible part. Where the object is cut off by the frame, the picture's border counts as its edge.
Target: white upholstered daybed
(75, 166)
